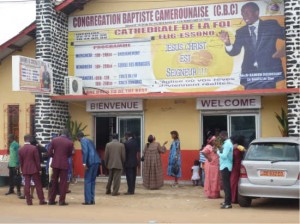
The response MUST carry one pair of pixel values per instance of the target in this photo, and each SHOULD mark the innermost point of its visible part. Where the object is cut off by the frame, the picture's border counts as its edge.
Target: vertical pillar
(52, 47)
(292, 26)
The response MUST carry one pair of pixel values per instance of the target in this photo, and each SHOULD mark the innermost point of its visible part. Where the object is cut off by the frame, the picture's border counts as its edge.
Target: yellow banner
(213, 47)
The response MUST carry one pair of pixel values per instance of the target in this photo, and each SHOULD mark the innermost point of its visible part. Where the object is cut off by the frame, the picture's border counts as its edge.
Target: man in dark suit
(114, 160)
(60, 150)
(30, 167)
(131, 163)
(90, 161)
(262, 66)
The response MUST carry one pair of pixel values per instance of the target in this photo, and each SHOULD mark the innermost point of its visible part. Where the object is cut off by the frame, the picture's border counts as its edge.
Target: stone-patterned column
(292, 25)
(51, 46)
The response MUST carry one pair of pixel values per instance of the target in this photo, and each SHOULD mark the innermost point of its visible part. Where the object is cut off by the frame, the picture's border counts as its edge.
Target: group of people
(119, 157)
(26, 161)
(222, 156)
(223, 159)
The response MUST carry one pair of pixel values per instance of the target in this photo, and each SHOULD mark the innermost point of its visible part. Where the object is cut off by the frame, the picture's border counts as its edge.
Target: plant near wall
(74, 128)
(283, 123)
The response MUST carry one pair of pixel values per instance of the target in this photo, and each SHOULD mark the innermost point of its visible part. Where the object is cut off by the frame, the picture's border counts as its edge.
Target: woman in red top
(238, 154)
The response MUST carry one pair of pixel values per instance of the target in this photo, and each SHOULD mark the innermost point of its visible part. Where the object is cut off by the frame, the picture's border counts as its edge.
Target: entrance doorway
(106, 126)
(242, 125)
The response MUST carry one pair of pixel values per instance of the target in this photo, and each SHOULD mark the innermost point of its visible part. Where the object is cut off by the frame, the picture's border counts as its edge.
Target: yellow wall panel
(78, 113)
(23, 99)
(270, 105)
(163, 116)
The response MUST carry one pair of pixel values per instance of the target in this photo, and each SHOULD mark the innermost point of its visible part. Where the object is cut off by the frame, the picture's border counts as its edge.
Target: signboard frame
(31, 75)
(115, 105)
(229, 103)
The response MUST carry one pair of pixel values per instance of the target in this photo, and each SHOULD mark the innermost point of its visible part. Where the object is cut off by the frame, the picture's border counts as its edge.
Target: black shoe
(226, 206)
(108, 192)
(22, 197)
(43, 203)
(116, 194)
(128, 193)
(10, 192)
(93, 203)
(52, 203)
(63, 204)
(87, 203)
(29, 203)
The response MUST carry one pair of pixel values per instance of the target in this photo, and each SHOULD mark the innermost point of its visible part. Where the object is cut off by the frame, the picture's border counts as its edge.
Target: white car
(271, 169)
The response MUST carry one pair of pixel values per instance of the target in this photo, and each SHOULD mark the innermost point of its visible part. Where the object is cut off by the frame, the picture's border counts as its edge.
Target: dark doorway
(213, 124)
(105, 127)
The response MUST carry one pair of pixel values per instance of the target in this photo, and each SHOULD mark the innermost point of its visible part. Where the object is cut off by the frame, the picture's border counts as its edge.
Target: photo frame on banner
(31, 75)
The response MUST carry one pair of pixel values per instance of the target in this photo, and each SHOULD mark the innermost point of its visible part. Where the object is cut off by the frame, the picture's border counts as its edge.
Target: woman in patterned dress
(174, 158)
(152, 166)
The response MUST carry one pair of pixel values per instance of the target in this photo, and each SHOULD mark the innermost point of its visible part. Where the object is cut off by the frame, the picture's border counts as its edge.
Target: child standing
(202, 167)
(195, 173)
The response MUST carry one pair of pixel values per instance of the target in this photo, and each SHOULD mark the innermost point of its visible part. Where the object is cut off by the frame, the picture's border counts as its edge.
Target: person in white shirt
(195, 173)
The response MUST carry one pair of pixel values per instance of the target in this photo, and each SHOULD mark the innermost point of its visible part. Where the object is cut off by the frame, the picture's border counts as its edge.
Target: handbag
(175, 169)
(17, 178)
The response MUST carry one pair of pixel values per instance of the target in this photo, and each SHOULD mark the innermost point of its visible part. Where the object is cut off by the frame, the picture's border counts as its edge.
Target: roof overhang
(28, 34)
(17, 42)
(174, 95)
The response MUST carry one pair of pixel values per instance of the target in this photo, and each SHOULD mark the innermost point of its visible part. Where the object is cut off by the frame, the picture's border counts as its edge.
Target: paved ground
(185, 204)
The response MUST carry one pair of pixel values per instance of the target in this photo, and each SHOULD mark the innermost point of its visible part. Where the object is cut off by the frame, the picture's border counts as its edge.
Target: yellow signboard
(209, 47)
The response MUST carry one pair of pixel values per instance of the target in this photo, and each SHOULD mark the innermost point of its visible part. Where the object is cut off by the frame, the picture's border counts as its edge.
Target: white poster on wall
(32, 75)
(115, 65)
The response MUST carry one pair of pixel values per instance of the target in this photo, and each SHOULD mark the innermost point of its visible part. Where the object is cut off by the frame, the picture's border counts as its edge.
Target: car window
(273, 152)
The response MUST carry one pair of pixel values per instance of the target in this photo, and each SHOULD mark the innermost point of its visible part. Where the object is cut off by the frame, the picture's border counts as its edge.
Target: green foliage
(283, 123)
(74, 128)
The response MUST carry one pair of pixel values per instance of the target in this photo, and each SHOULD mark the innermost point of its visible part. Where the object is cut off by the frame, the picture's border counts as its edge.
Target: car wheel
(244, 201)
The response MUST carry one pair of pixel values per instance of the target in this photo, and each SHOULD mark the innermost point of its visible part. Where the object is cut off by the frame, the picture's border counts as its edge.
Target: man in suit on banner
(90, 161)
(131, 163)
(60, 150)
(114, 160)
(262, 66)
(31, 168)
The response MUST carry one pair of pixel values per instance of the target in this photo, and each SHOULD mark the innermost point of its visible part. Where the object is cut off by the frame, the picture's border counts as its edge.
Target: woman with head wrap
(212, 174)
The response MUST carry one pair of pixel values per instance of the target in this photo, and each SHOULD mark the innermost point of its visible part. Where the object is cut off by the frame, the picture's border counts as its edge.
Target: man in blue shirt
(226, 159)
(91, 161)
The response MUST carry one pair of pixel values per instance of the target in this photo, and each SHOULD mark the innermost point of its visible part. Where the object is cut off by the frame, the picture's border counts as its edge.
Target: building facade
(153, 67)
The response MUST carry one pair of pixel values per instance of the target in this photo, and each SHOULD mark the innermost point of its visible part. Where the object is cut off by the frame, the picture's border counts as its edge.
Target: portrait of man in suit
(46, 79)
(261, 66)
